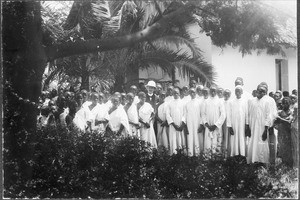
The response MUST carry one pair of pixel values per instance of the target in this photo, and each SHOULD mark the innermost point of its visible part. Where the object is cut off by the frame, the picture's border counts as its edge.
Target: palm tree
(174, 49)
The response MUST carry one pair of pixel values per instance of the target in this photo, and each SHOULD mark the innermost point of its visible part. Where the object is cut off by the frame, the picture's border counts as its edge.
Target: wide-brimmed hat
(151, 84)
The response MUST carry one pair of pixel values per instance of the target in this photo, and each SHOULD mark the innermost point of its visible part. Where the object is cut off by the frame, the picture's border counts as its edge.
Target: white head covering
(151, 84)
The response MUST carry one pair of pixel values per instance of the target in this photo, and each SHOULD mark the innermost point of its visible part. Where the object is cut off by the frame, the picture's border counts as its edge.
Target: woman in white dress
(146, 115)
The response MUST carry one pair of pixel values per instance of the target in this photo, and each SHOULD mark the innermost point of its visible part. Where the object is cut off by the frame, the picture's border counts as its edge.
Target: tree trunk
(119, 83)
(85, 81)
(24, 63)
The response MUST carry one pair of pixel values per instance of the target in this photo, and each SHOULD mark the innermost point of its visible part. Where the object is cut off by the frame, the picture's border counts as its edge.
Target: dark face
(94, 99)
(193, 84)
(158, 89)
(226, 96)
(205, 93)
(162, 97)
(176, 94)
(238, 82)
(238, 93)
(84, 96)
(169, 91)
(254, 93)
(101, 99)
(129, 99)
(185, 91)
(213, 91)
(220, 93)
(294, 99)
(193, 94)
(142, 99)
(261, 91)
(277, 96)
(133, 90)
(285, 104)
(115, 101)
(79, 99)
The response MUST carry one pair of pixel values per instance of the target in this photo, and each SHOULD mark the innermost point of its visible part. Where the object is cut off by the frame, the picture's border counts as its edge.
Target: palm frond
(169, 59)
(73, 17)
(170, 40)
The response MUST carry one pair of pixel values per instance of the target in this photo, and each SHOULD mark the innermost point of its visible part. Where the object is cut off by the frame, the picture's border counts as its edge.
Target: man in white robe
(133, 89)
(169, 94)
(118, 120)
(213, 118)
(174, 115)
(186, 96)
(202, 97)
(133, 116)
(101, 116)
(236, 122)
(199, 89)
(272, 133)
(226, 136)
(259, 121)
(246, 94)
(169, 97)
(162, 138)
(193, 120)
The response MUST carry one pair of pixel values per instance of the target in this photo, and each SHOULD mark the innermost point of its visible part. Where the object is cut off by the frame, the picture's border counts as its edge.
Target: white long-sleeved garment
(237, 119)
(192, 119)
(214, 114)
(259, 117)
(162, 138)
(133, 117)
(147, 134)
(174, 114)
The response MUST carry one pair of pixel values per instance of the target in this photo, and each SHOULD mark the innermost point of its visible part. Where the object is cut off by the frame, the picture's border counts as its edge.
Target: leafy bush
(72, 164)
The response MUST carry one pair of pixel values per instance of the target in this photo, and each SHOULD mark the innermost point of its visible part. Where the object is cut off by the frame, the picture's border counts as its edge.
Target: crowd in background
(257, 127)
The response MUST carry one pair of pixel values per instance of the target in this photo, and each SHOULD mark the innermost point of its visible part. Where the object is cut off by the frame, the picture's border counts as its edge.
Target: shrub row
(72, 164)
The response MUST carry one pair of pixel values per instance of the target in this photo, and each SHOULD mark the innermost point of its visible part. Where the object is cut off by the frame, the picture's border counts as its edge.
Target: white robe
(162, 138)
(147, 134)
(81, 117)
(202, 133)
(168, 99)
(226, 135)
(100, 115)
(214, 114)
(86, 104)
(92, 115)
(186, 99)
(118, 117)
(136, 100)
(174, 114)
(237, 119)
(133, 117)
(259, 117)
(192, 119)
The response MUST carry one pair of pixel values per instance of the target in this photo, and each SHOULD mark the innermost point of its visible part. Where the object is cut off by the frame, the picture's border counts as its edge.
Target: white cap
(151, 84)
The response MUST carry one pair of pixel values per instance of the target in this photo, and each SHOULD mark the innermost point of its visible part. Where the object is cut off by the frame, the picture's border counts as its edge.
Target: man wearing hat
(150, 96)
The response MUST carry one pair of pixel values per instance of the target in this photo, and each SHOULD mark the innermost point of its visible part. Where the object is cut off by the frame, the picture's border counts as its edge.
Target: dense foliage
(81, 165)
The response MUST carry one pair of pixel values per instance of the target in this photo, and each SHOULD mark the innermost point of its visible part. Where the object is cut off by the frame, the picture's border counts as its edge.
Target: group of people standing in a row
(193, 118)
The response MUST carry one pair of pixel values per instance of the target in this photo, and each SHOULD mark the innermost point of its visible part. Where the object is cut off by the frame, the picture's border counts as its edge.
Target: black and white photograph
(149, 99)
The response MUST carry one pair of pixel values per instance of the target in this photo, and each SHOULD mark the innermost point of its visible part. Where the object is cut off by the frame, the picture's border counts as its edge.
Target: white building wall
(254, 69)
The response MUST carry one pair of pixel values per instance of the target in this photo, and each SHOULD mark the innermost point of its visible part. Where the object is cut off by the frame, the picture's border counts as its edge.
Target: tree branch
(181, 16)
